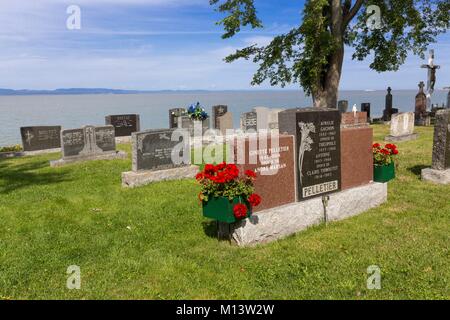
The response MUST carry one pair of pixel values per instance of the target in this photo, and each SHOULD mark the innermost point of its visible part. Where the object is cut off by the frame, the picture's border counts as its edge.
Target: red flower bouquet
(384, 156)
(227, 195)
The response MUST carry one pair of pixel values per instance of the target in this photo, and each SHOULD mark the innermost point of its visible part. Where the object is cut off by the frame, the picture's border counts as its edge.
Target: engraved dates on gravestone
(88, 141)
(249, 121)
(40, 138)
(318, 152)
(124, 124)
(152, 150)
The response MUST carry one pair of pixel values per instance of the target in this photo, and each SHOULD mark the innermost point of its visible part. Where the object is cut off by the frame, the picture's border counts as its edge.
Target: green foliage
(15, 148)
(303, 54)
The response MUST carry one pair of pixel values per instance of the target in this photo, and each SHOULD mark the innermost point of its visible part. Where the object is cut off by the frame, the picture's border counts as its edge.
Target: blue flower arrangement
(196, 112)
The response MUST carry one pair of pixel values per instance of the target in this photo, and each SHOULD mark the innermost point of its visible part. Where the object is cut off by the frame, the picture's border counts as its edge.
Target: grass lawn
(153, 243)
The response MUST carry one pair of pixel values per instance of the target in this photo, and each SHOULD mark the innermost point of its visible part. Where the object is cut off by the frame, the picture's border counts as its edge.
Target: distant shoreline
(101, 91)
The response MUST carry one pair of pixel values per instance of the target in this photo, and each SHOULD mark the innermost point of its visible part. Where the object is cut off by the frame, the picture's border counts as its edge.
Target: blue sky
(157, 44)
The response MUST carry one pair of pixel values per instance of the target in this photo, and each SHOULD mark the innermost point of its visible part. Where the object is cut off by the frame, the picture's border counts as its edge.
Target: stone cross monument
(431, 76)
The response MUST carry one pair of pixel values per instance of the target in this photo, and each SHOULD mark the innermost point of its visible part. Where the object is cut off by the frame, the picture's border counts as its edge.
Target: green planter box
(384, 173)
(221, 209)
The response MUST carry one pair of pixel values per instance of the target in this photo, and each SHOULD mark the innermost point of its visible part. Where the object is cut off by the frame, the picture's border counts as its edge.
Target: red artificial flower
(240, 211)
(250, 173)
(376, 145)
(395, 151)
(199, 176)
(254, 200)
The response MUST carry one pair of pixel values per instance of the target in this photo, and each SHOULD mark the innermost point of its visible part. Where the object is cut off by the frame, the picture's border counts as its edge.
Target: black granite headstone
(249, 121)
(174, 115)
(217, 112)
(441, 145)
(124, 124)
(365, 107)
(152, 150)
(40, 138)
(88, 141)
(318, 152)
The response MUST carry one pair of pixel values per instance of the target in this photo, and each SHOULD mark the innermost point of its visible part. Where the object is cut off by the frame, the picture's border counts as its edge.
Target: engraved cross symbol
(29, 136)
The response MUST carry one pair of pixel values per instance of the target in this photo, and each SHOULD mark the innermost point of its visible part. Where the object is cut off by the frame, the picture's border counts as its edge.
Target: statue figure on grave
(431, 73)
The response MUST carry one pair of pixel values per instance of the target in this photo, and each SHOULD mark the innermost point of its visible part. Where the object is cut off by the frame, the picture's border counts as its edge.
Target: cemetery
(249, 194)
(317, 168)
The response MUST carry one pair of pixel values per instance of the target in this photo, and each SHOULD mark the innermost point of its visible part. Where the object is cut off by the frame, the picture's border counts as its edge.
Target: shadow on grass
(14, 177)
(210, 229)
(417, 170)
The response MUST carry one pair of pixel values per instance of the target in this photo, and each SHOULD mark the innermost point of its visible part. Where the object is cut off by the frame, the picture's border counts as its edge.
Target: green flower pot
(384, 173)
(221, 209)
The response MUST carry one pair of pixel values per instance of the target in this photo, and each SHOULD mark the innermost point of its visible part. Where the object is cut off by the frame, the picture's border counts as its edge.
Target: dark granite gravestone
(124, 124)
(174, 115)
(88, 141)
(40, 138)
(318, 154)
(218, 111)
(441, 145)
(249, 121)
(152, 150)
(343, 106)
(365, 107)
(388, 109)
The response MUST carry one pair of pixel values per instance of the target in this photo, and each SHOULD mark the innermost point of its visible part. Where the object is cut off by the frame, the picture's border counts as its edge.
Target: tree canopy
(311, 54)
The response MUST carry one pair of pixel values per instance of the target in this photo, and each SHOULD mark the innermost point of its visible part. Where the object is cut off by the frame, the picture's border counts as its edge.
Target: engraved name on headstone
(318, 152)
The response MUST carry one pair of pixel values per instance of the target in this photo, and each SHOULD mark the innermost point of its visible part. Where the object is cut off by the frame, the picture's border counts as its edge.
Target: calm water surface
(72, 111)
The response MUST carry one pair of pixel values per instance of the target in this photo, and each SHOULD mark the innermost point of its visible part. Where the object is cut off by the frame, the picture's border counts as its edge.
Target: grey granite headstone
(343, 106)
(225, 123)
(40, 138)
(174, 115)
(262, 116)
(124, 124)
(187, 123)
(441, 145)
(249, 121)
(218, 111)
(88, 141)
(402, 127)
(318, 154)
(152, 150)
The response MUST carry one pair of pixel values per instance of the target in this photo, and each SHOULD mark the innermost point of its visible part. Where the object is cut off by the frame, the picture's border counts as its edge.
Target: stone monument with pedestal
(88, 143)
(388, 109)
(421, 115)
(153, 157)
(402, 127)
(318, 179)
(440, 169)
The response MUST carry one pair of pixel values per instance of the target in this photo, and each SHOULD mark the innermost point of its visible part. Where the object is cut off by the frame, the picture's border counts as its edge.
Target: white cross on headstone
(29, 136)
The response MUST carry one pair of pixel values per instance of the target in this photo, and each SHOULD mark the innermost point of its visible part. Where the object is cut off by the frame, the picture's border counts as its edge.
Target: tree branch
(352, 13)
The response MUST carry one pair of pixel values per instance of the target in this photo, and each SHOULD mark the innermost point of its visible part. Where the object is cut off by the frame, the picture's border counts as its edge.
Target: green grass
(153, 243)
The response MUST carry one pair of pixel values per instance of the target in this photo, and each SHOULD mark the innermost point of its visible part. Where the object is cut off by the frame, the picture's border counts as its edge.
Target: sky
(159, 45)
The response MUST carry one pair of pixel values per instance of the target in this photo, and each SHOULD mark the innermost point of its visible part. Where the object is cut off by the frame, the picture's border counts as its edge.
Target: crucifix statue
(431, 76)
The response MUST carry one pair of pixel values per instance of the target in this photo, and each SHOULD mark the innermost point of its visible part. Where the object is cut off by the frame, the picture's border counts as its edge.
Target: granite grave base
(277, 223)
(407, 137)
(77, 159)
(436, 176)
(17, 154)
(133, 179)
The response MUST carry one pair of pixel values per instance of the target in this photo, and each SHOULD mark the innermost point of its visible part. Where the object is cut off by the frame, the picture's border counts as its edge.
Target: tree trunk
(327, 94)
